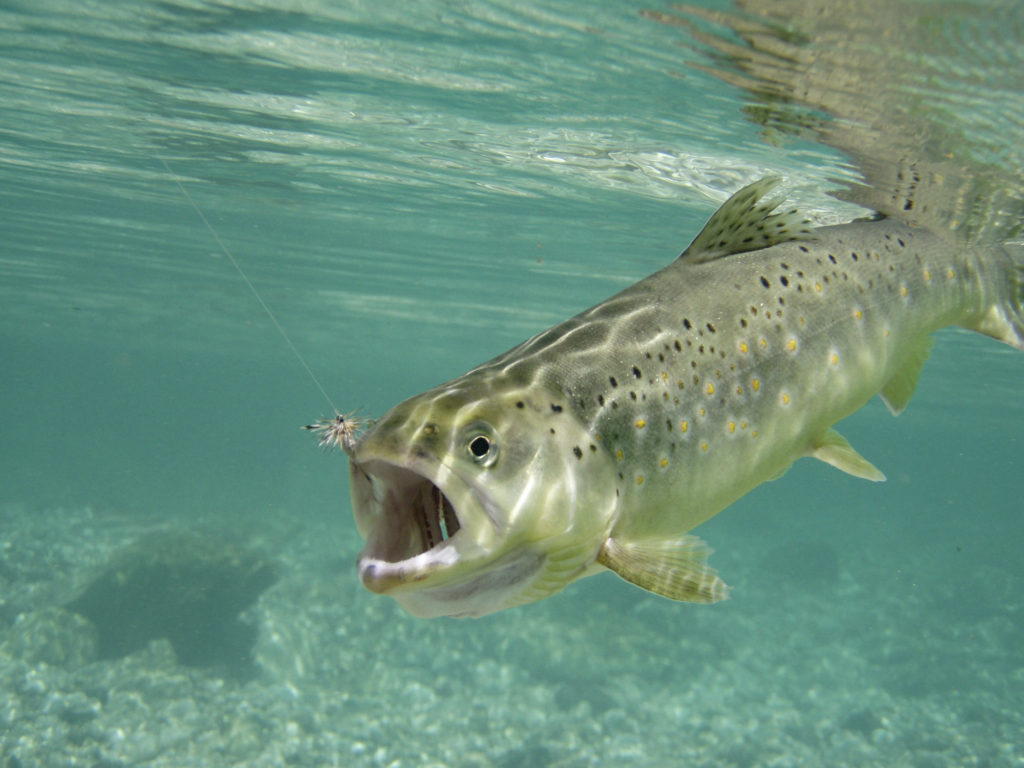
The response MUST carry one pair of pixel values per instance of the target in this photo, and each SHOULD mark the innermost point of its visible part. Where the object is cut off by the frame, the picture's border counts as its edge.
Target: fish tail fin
(1017, 297)
(1004, 319)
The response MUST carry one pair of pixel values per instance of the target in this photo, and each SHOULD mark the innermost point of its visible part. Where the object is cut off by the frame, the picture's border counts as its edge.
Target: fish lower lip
(401, 513)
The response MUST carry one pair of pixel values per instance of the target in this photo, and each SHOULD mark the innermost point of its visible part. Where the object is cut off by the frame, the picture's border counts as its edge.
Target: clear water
(413, 188)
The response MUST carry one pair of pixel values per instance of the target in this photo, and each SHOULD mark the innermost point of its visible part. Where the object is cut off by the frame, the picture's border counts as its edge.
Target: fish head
(472, 499)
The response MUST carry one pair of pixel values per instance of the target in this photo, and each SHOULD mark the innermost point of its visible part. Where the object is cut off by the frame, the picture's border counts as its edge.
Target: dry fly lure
(339, 431)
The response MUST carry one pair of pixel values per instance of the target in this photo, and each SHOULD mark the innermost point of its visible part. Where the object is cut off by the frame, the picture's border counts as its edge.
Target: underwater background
(413, 188)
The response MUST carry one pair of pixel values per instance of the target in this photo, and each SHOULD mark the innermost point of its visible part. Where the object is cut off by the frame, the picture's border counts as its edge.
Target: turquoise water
(413, 188)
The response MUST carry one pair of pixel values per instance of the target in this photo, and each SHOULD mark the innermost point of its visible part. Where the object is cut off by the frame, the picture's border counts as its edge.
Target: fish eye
(479, 446)
(482, 448)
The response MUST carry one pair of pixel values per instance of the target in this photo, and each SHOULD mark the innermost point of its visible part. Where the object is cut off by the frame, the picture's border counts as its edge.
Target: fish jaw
(417, 549)
(449, 536)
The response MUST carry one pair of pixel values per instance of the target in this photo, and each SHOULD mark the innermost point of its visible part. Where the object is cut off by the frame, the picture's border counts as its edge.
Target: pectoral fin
(673, 568)
(834, 449)
(897, 393)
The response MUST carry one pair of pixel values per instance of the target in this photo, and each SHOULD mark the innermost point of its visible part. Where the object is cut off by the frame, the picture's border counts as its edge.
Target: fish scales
(781, 342)
(603, 441)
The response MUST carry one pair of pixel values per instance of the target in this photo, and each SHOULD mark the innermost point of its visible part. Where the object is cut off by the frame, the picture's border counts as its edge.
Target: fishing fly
(339, 431)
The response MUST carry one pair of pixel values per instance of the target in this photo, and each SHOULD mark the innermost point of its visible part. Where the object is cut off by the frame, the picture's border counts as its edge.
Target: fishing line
(238, 267)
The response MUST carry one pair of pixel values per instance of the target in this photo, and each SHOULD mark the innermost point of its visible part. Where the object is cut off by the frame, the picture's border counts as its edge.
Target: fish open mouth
(404, 517)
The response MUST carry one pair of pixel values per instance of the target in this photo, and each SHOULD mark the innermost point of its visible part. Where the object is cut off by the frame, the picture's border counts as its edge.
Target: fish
(602, 442)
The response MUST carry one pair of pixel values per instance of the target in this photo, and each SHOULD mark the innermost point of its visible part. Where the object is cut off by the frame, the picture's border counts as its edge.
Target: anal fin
(672, 568)
(900, 388)
(834, 449)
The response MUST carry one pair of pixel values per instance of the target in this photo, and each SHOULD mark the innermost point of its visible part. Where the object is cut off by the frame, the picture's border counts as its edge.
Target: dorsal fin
(745, 223)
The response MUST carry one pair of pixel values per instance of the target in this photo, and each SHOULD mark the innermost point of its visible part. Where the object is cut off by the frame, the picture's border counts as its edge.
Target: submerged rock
(188, 589)
(53, 636)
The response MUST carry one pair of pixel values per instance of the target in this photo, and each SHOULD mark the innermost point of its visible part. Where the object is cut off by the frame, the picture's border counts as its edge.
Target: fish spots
(684, 426)
(817, 287)
(904, 292)
(710, 388)
(612, 381)
(619, 454)
(731, 427)
(785, 398)
(520, 404)
(639, 479)
(744, 348)
(640, 423)
(950, 273)
(791, 344)
(704, 446)
(833, 358)
(763, 342)
(687, 324)
(637, 373)
(858, 314)
(600, 400)
(926, 273)
(764, 282)
(556, 408)
(755, 384)
(678, 346)
(577, 452)
(664, 463)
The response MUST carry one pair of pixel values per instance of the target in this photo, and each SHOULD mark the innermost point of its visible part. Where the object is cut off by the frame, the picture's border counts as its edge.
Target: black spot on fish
(743, 322)
(552, 430)
(576, 450)
(900, 241)
(803, 248)
(687, 324)
(556, 408)
(637, 373)
(832, 258)
(784, 265)
(520, 404)
(764, 282)
(678, 346)
(661, 357)
(614, 404)
(600, 399)
(633, 395)
(784, 280)
(854, 256)
(711, 327)
(593, 448)
(612, 381)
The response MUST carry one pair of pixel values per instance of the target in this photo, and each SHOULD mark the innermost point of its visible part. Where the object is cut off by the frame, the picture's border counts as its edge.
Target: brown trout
(603, 441)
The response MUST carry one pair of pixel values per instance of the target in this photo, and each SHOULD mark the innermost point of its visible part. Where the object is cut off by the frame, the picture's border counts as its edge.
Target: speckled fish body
(603, 441)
